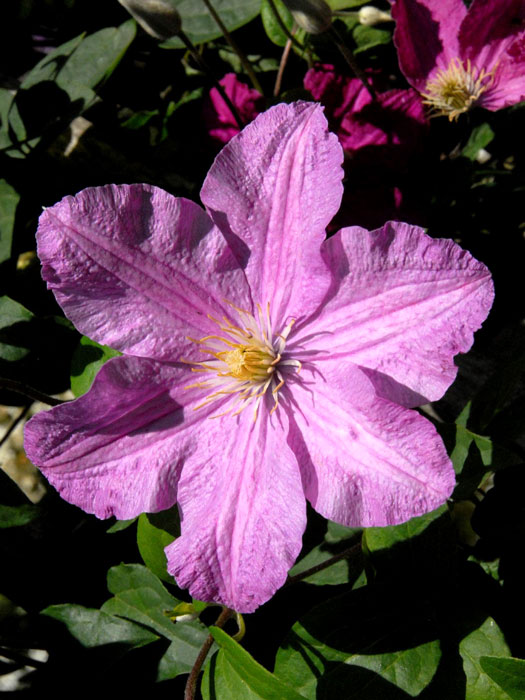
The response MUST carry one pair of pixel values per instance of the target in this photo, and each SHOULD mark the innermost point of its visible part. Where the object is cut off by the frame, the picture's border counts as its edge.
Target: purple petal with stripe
(137, 269)
(272, 191)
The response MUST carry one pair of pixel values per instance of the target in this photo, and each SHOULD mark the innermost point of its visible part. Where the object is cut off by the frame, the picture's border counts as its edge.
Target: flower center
(456, 89)
(246, 361)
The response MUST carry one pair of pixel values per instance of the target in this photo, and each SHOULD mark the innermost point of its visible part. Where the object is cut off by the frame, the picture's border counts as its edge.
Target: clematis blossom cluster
(263, 365)
(460, 58)
(387, 130)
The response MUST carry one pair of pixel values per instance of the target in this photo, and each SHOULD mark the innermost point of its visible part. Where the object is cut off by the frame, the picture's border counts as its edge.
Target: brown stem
(325, 564)
(282, 64)
(204, 66)
(283, 26)
(231, 41)
(13, 425)
(28, 391)
(191, 683)
(349, 58)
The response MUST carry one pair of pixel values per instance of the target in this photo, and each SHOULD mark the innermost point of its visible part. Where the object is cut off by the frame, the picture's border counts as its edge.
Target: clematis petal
(272, 191)
(118, 450)
(426, 36)
(339, 93)
(402, 304)
(508, 87)
(137, 269)
(490, 29)
(365, 461)
(395, 122)
(220, 122)
(242, 512)
(493, 38)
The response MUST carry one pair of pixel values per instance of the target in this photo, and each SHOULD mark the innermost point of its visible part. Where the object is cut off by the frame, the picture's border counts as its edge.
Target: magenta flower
(459, 58)
(390, 128)
(262, 363)
(220, 122)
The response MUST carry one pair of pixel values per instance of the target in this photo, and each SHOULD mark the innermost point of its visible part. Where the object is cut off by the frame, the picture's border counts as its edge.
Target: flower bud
(369, 15)
(314, 16)
(159, 18)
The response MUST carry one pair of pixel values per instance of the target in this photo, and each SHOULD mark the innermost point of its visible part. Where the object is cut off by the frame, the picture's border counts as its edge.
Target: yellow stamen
(454, 90)
(244, 361)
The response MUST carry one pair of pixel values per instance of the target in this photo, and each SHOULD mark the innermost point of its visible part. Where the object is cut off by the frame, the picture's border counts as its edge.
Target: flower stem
(231, 41)
(204, 66)
(13, 425)
(24, 390)
(282, 64)
(354, 549)
(191, 683)
(349, 58)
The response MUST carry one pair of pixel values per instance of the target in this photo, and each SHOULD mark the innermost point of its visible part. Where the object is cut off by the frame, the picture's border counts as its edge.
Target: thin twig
(24, 390)
(204, 66)
(282, 64)
(283, 26)
(349, 58)
(191, 683)
(13, 425)
(325, 564)
(231, 41)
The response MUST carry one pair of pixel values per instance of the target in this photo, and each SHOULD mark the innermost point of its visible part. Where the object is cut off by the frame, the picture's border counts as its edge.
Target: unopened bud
(369, 15)
(159, 18)
(483, 156)
(314, 16)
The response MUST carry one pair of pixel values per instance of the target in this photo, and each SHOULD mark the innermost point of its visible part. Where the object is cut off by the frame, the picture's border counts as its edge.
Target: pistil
(246, 361)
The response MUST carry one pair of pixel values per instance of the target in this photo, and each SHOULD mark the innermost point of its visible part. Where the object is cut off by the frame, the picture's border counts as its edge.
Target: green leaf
(499, 390)
(337, 538)
(335, 532)
(367, 38)
(120, 525)
(480, 137)
(87, 359)
(487, 640)
(50, 66)
(509, 674)
(271, 25)
(362, 645)
(140, 119)
(9, 199)
(334, 575)
(152, 540)
(14, 516)
(13, 316)
(473, 455)
(140, 596)
(419, 548)
(29, 343)
(62, 85)
(234, 673)
(6, 99)
(95, 59)
(83, 62)
(200, 26)
(346, 4)
(94, 628)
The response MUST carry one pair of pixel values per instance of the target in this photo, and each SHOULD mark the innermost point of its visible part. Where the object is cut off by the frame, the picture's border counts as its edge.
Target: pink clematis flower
(459, 58)
(220, 123)
(380, 138)
(387, 130)
(262, 363)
